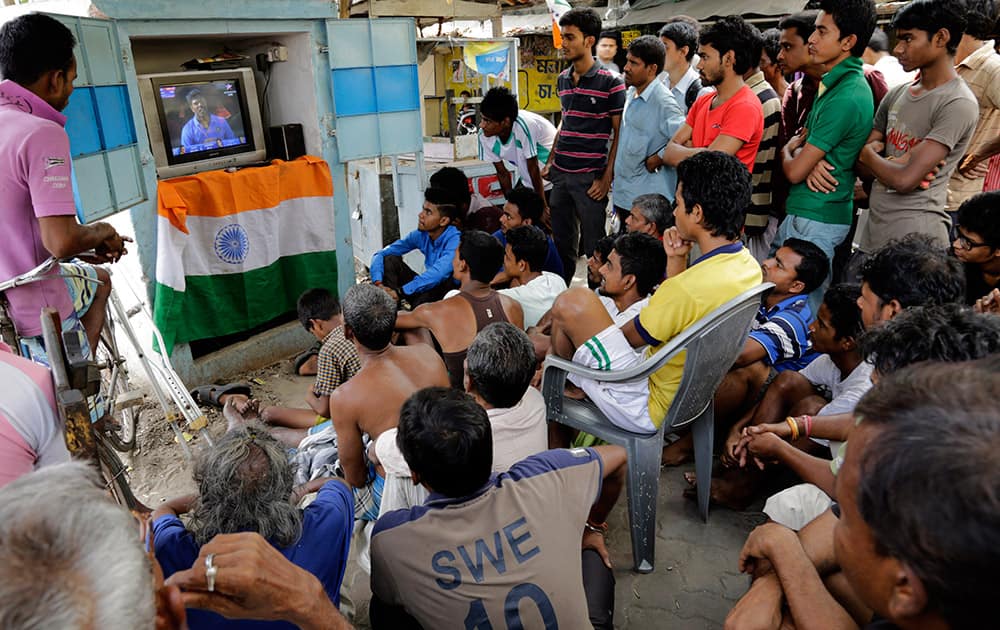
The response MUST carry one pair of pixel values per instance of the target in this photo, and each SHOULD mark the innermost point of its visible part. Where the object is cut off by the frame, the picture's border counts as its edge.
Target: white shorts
(797, 506)
(626, 405)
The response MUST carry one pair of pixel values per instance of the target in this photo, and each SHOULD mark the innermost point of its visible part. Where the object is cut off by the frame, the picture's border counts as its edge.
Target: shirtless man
(394, 372)
(370, 401)
(455, 321)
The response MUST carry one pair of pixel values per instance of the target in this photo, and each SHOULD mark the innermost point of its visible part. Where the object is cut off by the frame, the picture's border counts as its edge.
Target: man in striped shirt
(581, 165)
(779, 338)
(763, 214)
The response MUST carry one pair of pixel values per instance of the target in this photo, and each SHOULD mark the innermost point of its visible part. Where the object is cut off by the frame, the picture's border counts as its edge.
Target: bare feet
(734, 488)
(238, 410)
(289, 437)
(678, 452)
(309, 367)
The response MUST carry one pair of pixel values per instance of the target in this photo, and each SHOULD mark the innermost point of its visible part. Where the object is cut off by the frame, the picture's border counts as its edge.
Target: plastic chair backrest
(714, 343)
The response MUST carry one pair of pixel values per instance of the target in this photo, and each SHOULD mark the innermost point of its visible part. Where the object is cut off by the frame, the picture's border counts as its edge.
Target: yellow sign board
(628, 36)
(537, 84)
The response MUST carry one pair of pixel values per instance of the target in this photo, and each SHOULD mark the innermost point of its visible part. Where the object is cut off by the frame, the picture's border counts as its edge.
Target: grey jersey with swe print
(507, 556)
(948, 115)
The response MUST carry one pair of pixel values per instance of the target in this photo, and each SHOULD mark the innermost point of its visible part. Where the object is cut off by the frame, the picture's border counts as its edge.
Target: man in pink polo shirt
(37, 208)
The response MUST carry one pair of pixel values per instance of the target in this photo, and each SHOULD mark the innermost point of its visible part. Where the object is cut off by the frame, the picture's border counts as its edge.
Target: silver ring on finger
(210, 572)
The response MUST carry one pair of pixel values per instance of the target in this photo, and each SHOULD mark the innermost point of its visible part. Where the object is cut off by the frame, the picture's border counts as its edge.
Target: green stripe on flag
(214, 306)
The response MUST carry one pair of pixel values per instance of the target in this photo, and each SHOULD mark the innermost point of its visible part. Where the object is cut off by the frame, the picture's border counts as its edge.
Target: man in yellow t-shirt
(713, 192)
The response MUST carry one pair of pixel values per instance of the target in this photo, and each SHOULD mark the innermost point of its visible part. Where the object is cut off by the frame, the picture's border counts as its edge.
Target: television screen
(204, 120)
(203, 116)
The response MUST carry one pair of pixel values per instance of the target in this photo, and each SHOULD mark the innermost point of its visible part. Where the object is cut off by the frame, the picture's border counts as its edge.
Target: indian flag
(235, 250)
(557, 8)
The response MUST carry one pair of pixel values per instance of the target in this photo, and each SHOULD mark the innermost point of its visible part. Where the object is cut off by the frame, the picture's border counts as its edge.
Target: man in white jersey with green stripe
(517, 136)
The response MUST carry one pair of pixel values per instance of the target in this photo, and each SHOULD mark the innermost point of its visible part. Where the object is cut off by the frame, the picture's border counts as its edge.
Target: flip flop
(210, 394)
(305, 356)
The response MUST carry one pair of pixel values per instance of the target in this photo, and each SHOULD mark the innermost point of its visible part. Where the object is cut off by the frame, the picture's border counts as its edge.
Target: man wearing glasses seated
(977, 245)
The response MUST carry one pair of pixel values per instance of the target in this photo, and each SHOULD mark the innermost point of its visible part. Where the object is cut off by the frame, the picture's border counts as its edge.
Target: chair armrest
(556, 369)
(637, 372)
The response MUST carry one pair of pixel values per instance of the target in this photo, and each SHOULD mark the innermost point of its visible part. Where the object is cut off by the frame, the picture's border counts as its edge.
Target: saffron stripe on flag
(219, 194)
(235, 250)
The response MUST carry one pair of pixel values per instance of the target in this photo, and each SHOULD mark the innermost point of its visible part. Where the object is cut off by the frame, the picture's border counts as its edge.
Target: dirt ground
(160, 468)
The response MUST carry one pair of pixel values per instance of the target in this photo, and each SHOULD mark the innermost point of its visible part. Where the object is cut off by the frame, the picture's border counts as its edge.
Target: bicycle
(71, 374)
(101, 390)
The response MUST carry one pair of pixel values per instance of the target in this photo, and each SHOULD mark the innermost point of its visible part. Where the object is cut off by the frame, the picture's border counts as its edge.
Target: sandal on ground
(210, 394)
(305, 356)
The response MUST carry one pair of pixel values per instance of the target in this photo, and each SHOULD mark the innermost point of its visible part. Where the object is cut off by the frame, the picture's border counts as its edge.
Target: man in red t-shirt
(730, 119)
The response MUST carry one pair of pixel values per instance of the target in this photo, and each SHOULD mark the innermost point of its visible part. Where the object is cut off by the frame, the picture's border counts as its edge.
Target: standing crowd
(854, 175)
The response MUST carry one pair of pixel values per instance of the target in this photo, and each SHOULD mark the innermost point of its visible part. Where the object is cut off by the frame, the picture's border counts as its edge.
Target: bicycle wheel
(116, 476)
(119, 403)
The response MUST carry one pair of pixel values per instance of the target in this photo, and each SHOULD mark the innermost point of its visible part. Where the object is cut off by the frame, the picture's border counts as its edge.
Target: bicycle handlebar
(41, 272)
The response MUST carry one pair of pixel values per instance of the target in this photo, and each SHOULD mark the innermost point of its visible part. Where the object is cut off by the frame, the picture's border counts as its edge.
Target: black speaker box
(287, 142)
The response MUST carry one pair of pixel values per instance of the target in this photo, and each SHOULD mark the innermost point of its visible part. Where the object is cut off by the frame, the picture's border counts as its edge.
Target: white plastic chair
(712, 345)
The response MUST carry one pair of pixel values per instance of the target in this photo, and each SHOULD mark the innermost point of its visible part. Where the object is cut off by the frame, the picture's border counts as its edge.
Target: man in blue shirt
(436, 238)
(651, 119)
(205, 130)
(779, 339)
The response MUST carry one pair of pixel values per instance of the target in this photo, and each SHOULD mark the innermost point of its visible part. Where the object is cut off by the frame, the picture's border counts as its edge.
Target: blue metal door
(376, 94)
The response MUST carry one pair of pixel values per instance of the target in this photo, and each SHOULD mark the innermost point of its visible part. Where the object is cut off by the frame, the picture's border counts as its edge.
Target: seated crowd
(865, 390)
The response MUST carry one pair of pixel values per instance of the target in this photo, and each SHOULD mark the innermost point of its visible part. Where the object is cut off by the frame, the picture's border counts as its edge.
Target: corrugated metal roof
(656, 11)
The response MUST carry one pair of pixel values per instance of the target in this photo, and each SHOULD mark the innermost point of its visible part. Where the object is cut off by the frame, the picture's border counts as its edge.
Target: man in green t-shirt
(835, 131)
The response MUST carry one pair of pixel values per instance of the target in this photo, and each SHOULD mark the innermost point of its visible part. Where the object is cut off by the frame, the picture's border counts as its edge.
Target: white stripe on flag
(296, 226)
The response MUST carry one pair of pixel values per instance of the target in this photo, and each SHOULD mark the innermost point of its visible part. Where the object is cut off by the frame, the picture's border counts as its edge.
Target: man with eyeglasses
(977, 244)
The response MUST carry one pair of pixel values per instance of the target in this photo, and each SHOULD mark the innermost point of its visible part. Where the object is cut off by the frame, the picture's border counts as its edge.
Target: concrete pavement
(695, 581)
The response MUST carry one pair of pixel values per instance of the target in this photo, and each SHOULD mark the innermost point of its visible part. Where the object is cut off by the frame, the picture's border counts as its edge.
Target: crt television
(200, 121)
